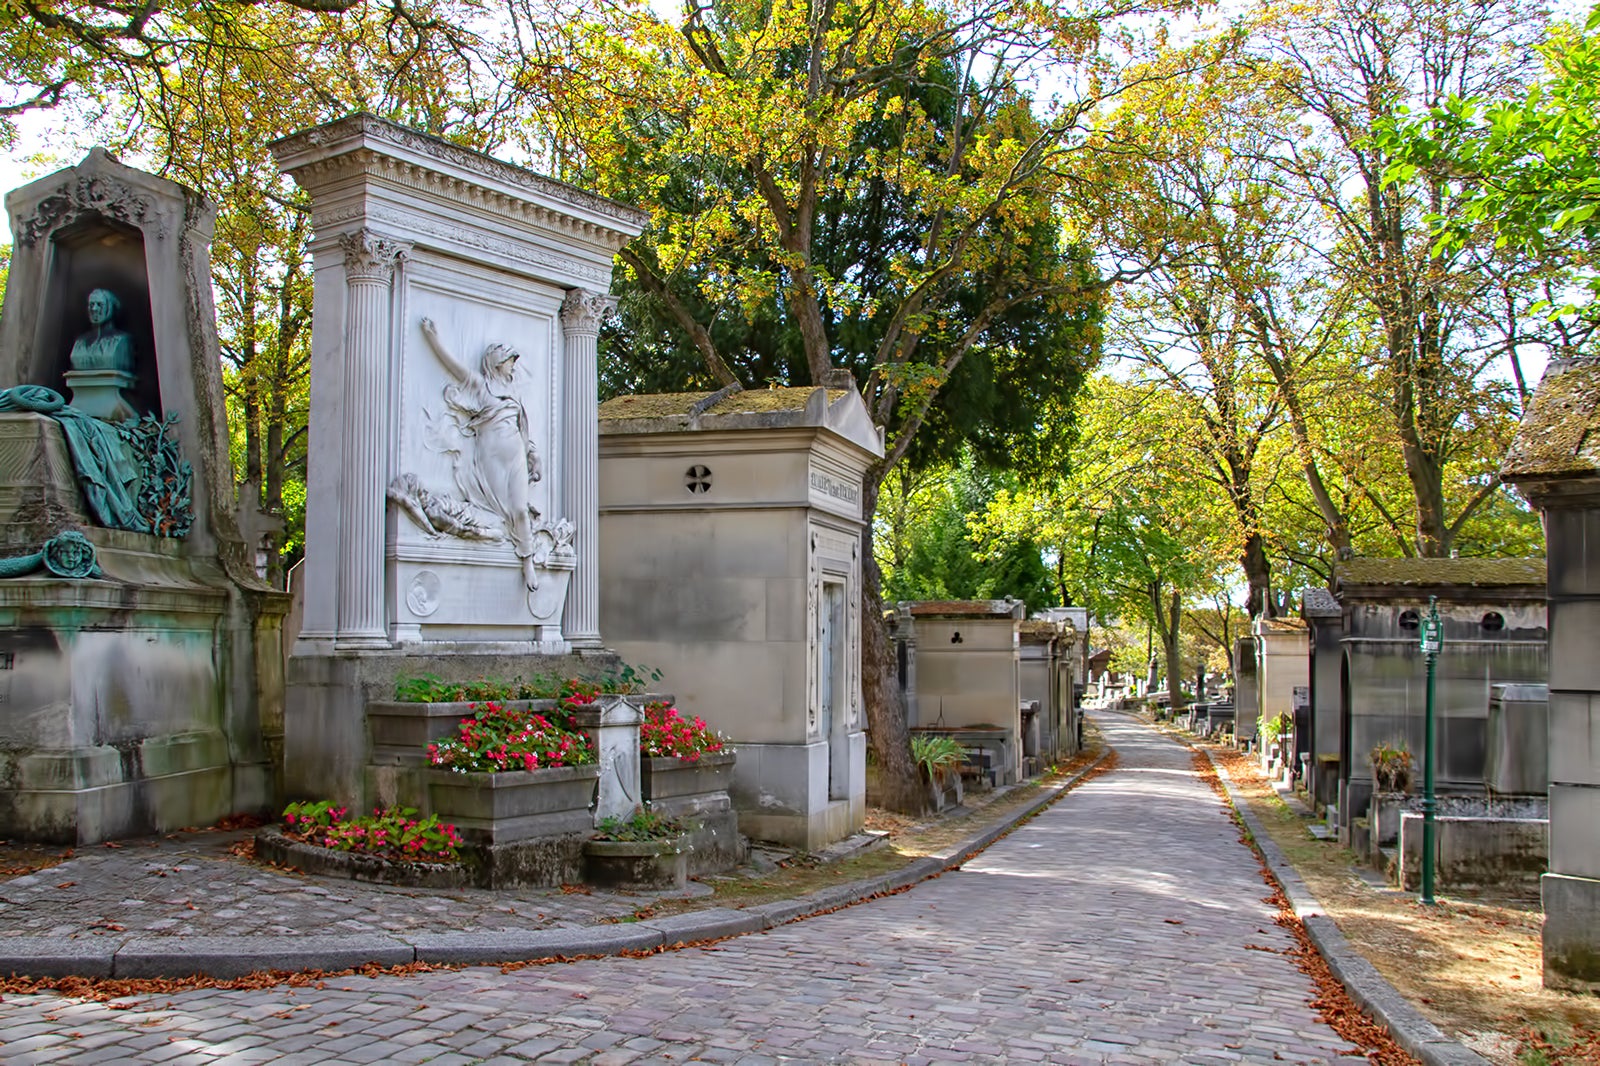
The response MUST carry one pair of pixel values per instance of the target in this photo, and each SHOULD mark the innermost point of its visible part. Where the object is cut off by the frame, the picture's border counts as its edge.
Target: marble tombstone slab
(730, 541)
(451, 520)
(145, 692)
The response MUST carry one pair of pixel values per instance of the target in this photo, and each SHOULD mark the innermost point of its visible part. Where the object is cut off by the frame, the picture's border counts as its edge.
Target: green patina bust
(103, 346)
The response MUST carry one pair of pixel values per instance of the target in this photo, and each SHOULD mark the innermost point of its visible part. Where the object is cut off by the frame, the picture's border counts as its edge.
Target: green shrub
(934, 752)
(641, 826)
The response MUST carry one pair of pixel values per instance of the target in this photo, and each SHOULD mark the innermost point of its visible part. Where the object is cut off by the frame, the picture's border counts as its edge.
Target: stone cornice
(366, 144)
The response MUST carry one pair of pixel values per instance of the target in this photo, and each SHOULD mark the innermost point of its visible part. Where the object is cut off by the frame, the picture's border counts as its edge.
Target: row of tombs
(1335, 703)
(473, 513)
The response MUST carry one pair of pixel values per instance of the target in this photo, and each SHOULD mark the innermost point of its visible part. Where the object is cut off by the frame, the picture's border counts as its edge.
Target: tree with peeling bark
(848, 187)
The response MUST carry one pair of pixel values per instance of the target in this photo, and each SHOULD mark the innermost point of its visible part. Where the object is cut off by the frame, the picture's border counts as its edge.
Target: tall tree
(1521, 167)
(873, 180)
(1347, 67)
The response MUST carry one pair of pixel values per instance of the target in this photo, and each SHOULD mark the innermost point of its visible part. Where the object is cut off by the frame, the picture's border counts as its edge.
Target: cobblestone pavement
(189, 884)
(1125, 924)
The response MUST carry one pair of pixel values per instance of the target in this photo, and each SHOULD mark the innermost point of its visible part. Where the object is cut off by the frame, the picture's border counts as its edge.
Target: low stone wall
(1476, 851)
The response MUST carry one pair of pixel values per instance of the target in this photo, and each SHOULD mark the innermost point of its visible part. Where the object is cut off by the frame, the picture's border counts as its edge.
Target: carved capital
(371, 257)
(582, 311)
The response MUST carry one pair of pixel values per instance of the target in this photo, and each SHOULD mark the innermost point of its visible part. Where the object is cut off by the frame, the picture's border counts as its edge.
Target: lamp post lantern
(1432, 642)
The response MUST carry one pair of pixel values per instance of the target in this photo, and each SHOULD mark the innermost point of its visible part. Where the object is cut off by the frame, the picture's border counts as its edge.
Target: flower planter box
(668, 782)
(516, 805)
(636, 865)
(273, 846)
(401, 732)
(696, 791)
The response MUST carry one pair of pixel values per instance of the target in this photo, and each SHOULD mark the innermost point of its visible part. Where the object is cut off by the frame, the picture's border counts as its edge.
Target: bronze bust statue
(103, 346)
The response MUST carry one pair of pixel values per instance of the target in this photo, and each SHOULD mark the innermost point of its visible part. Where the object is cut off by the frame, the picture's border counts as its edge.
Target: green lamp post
(1432, 642)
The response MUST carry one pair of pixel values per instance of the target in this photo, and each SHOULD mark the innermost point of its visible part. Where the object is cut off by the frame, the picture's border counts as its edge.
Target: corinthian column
(581, 312)
(369, 263)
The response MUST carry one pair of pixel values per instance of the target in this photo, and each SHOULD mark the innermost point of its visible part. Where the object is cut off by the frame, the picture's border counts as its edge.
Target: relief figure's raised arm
(430, 333)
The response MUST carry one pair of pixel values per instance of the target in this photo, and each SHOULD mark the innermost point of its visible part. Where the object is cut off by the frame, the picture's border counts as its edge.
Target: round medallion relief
(423, 594)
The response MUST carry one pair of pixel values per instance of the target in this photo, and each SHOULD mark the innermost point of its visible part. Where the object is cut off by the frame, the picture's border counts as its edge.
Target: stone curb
(1366, 986)
(225, 957)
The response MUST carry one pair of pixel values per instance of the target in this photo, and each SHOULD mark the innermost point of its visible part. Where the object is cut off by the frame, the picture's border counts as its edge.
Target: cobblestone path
(1125, 924)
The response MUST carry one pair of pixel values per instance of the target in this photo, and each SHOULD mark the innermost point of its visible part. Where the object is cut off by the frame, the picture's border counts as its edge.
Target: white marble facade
(451, 494)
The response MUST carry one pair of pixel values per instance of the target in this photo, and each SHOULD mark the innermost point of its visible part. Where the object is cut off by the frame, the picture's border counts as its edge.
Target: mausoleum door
(830, 688)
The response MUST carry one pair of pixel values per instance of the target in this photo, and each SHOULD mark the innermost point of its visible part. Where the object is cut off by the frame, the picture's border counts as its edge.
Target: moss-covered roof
(1041, 628)
(1560, 434)
(962, 608)
(1432, 572)
(1279, 625)
(667, 404)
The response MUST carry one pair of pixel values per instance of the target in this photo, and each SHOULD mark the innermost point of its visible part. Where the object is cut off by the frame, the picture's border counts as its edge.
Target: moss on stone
(1441, 572)
(750, 401)
(1560, 435)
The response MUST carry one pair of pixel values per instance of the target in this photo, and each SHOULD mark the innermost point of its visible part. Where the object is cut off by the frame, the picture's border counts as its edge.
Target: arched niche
(96, 252)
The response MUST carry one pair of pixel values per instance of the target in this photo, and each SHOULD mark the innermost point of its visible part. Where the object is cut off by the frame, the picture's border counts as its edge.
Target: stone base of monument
(696, 793)
(331, 749)
(784, 792)
(1571, 917)
(128, 705)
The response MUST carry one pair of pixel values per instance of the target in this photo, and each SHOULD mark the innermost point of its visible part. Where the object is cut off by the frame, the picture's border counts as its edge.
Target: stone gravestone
(140, 687)
(452, 512)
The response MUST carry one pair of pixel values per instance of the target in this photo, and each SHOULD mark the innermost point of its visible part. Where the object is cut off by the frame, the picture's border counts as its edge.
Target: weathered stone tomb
(730, 539)
(140, 659)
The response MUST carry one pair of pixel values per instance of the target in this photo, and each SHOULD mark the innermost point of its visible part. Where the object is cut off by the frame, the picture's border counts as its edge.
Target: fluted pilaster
(369, 261)
(581, 313)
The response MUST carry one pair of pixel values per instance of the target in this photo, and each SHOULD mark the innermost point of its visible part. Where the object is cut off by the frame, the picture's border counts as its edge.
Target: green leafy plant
(1276, 728)
(1391, 767)
(666, 733)
(431, 688)
(640, 826)
(632, 679)
(394, 833)
(934, 752)
(496, 738)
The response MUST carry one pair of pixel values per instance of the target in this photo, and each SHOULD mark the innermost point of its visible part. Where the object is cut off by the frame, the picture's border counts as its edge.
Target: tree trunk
(888, 728)
(1169, 613)
(1258, 577)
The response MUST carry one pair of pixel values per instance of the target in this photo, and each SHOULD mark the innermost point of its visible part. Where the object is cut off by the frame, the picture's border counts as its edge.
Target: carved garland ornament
(98, 194)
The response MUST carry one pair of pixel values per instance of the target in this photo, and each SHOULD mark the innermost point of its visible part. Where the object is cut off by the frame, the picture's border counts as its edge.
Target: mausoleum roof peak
(1560, 434)
(1318, 602)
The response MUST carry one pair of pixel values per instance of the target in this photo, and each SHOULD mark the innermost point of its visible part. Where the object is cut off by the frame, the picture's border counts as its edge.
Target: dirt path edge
(1360, 978)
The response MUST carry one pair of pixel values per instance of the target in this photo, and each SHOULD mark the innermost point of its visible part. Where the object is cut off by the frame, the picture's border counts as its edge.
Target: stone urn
(637, 865)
